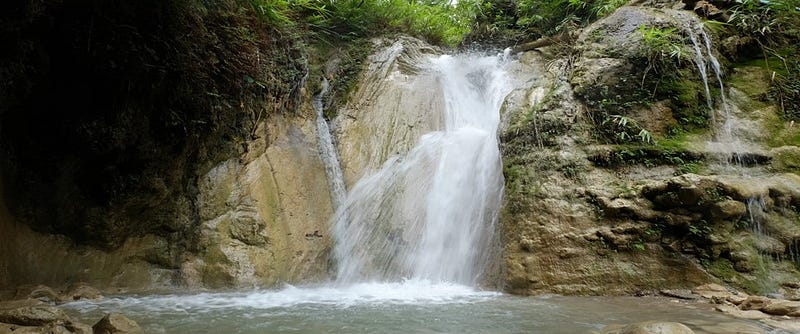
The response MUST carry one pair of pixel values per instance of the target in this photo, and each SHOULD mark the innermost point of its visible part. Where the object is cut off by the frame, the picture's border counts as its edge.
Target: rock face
(139, 170)
(395, 103)
(262, 216)
(594, 206)
(263, 219)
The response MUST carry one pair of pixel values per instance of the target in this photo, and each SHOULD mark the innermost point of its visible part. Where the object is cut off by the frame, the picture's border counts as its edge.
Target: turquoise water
(408, 307)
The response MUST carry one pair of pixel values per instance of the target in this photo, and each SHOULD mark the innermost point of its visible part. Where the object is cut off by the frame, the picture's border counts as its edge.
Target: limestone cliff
(602, 151)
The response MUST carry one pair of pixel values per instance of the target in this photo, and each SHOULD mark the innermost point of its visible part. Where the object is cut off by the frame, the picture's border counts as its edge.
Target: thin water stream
(327, 151)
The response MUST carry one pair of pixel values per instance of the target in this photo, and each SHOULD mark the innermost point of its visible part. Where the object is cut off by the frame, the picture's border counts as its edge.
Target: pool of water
(406, 307)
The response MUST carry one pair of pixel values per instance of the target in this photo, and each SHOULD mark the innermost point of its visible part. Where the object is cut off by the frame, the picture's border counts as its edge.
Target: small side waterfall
(724, 140)
(430, 215)
(327, 151)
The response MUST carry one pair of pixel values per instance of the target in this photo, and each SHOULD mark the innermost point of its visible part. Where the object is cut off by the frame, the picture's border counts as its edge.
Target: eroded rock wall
(593, 207)
(262, 221)
(395, 103)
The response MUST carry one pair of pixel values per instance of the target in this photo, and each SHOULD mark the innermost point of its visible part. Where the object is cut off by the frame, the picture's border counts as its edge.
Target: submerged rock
(115, 323)
(649, 327)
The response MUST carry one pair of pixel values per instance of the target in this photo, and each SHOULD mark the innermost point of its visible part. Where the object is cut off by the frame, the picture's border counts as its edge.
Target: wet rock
(681, 294)
(783, 307)
(48, 329)
(711, 290)
(736, 299)
(732, 327)
(786, 158)
(40, 292)
(33, 315)
(735, 312)
(755, 303)
(648, 327)
(80, 291)
(115, 323)
(793, 326)
(728, 209)
(709, 10)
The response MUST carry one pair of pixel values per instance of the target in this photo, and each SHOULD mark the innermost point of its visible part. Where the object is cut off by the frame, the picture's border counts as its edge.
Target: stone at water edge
(789, 325)
(679, 293)
(737, 313)
(755, 303)
(115, 323)
(39, 292)
(80, 291)
(711, 290)
(731, 327)
(648, 327)
(33, 315)
(783, 307)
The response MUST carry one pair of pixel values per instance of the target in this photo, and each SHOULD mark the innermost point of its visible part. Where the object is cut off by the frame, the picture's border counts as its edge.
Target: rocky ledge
(32, 309)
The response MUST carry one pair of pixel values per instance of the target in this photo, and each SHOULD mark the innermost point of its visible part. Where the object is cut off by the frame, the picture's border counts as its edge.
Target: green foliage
(650, 155)
(622, 129)
(700, 230)
(550, 17)
(437, 21)
(775, 27)
(516, 20)
(272, 12)
(663, 45)
(785, 90)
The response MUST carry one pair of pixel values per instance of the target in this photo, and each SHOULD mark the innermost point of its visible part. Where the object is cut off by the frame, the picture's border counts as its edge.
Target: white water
(430, 215)
(407, 292)
(327, 151)
(725, 142)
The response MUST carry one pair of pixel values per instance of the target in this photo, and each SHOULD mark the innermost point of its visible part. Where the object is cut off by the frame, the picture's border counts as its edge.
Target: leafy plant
(624, 129)
(528, 19)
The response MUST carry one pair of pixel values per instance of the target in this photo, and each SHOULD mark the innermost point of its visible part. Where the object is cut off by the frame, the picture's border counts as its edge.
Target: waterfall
(430, 215)
(724, 142)
(327, 151)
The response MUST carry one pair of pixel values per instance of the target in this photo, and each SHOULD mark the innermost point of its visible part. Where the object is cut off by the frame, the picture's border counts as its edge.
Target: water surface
(406, 307)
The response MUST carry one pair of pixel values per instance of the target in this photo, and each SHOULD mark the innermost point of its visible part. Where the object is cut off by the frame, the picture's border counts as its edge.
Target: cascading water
(327, 151)
(430, 215)
(725, 142)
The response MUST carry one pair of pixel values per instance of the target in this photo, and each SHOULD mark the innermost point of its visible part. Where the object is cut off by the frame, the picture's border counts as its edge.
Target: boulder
(115, 323)
(737, 313)
(790, 326)
(736, 299)
(80, 291)
(737, 327)
(755, 303)
(783, 307)
(728, 209)
(679, 293)
(40, 292)
(35, 315)
(648, 327)
(711, 290)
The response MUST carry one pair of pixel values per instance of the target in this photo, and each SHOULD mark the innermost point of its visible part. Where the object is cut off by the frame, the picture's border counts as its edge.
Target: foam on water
(406, 292)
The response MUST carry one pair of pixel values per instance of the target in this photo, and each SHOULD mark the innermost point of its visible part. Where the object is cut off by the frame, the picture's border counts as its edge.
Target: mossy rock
(786, 159)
